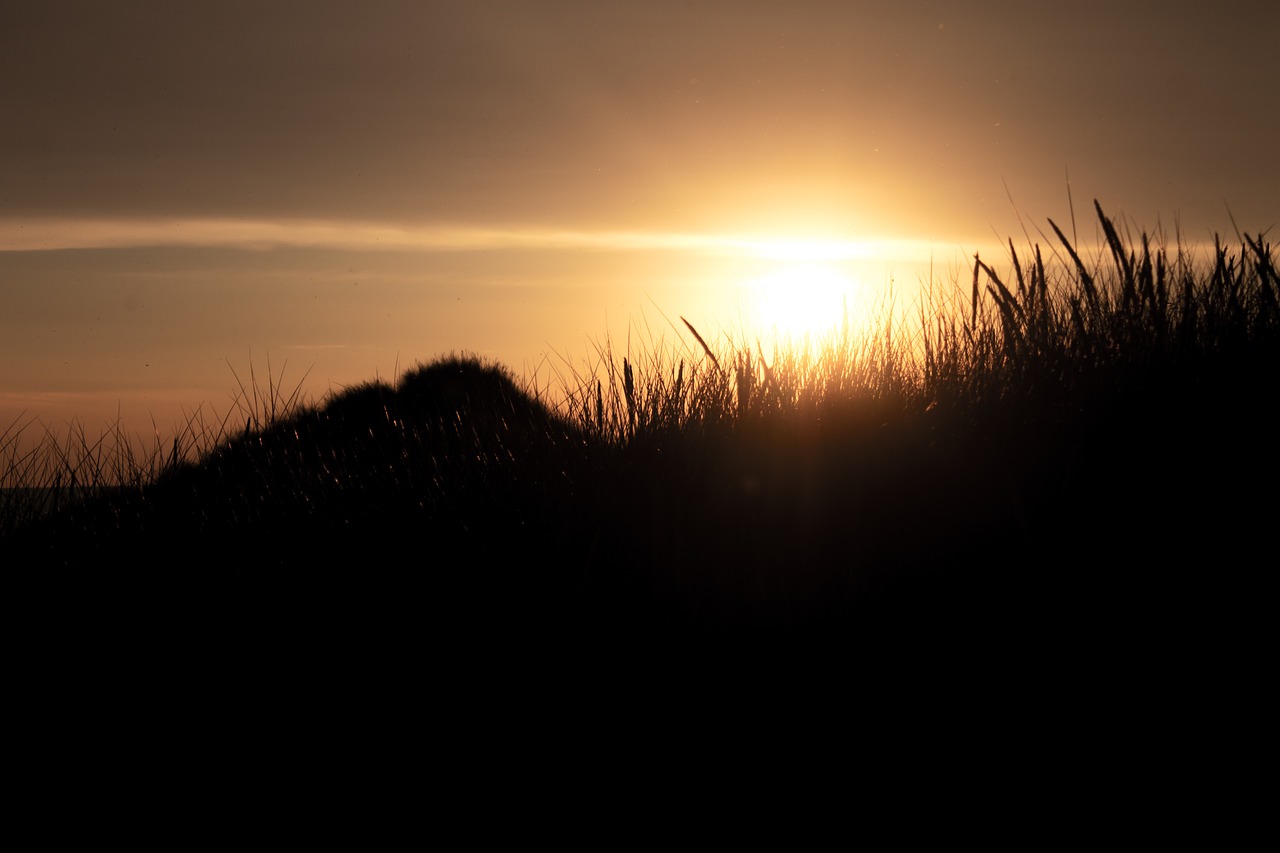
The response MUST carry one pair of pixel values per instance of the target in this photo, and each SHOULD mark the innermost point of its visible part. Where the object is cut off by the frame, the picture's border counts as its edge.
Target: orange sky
(182, 182)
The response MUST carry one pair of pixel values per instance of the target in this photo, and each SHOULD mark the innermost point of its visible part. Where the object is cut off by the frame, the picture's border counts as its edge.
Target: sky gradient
(182, 182)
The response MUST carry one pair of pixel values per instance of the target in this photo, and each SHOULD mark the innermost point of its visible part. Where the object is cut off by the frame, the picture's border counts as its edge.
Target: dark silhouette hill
(375, 470)
(460, 492)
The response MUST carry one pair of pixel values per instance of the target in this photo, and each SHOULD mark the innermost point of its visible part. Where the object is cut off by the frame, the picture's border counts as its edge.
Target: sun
(803, 288)
(798, 299)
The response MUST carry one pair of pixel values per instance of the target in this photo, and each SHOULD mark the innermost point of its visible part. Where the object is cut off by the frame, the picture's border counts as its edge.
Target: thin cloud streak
(53, 234)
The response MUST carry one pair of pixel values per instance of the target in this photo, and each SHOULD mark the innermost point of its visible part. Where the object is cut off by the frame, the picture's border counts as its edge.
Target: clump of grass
(1041, 326)
(1066, 322)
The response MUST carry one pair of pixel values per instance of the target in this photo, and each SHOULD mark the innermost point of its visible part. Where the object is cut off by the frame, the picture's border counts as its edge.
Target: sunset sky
(351, 186)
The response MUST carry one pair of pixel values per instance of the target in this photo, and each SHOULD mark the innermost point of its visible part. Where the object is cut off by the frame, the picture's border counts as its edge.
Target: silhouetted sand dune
(459, 491)
(455, 450)
(485, 397)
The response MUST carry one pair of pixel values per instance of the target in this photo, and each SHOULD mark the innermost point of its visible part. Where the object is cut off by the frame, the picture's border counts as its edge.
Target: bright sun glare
(795, 299)
(803, 287)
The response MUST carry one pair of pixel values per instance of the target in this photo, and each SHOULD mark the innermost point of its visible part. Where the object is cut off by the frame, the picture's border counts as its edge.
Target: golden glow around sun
(804, 287)
(794, 299)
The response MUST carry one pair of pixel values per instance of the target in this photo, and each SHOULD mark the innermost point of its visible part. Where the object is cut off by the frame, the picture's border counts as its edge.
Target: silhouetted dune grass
(1079, 453)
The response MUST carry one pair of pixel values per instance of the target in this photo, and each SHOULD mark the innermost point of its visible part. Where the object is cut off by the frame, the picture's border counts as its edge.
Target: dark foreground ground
(463, 509)
(1064, 604)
